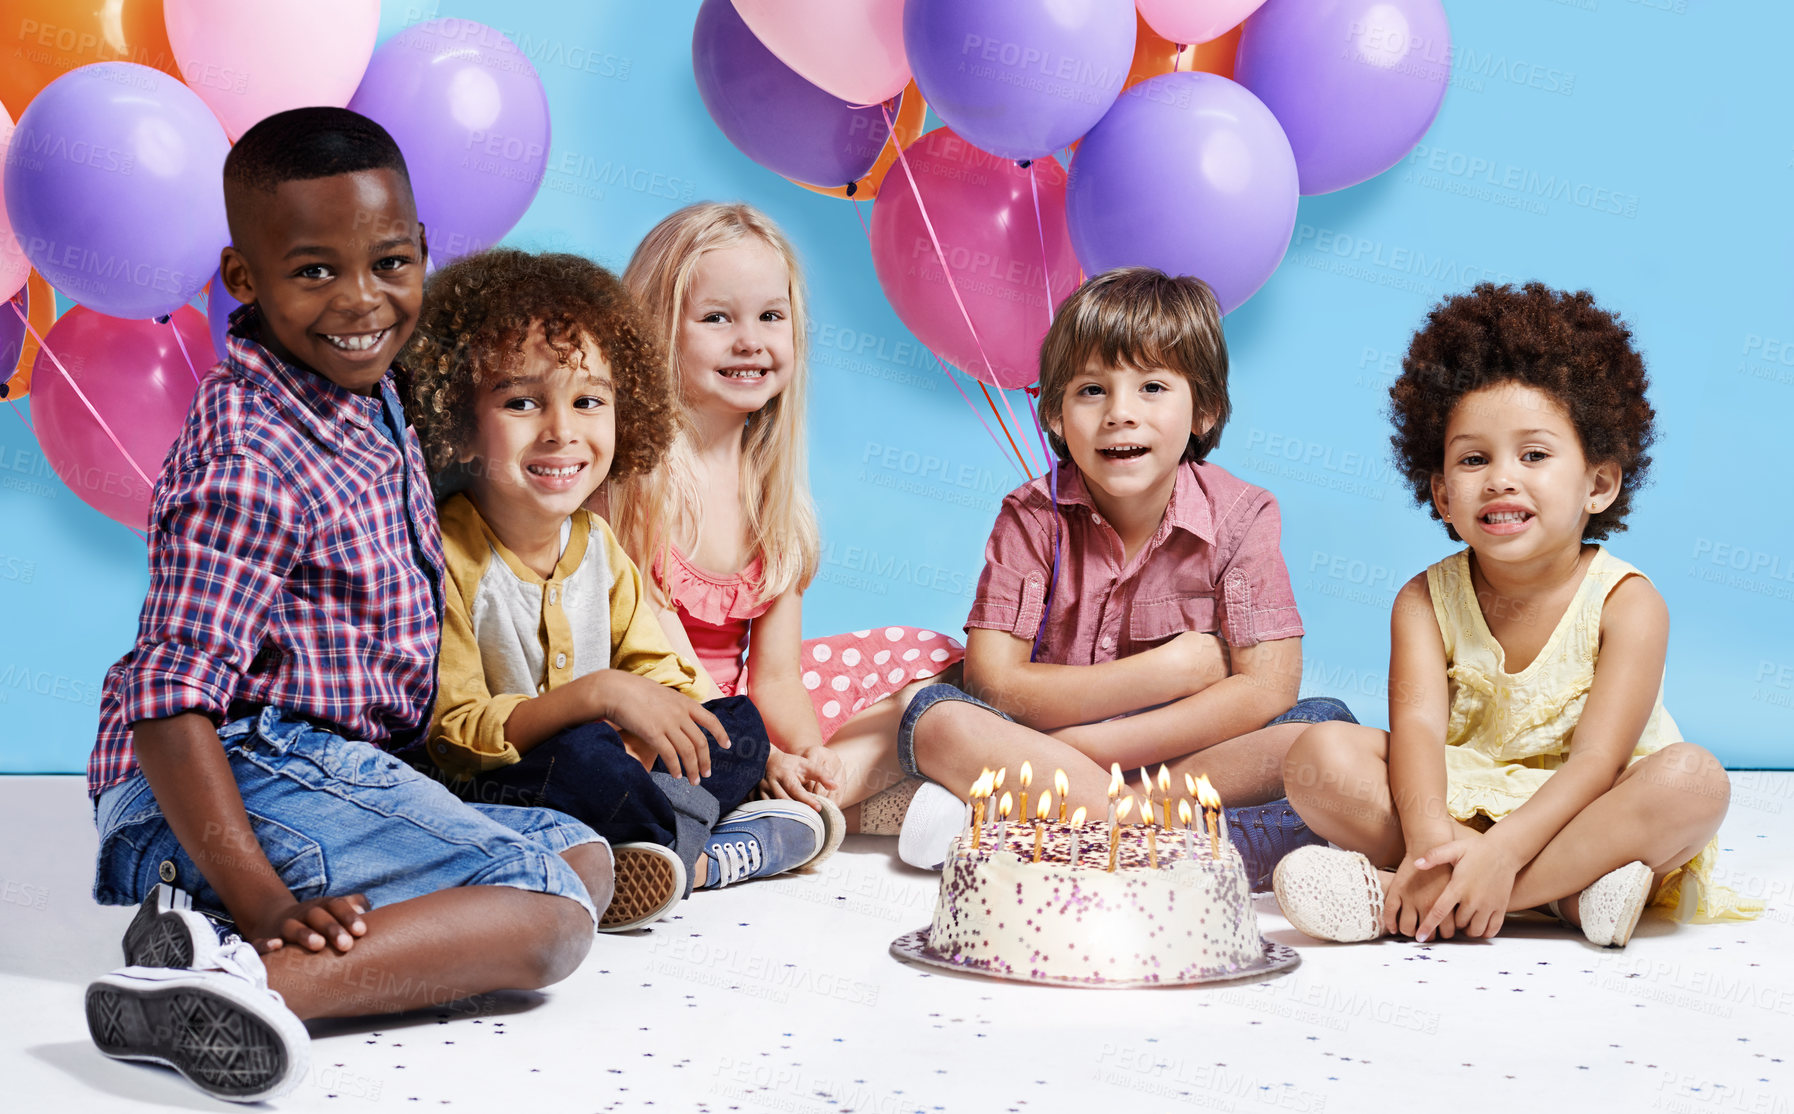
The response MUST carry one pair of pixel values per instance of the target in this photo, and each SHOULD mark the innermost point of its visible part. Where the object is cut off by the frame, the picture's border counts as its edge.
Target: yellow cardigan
(509, 635)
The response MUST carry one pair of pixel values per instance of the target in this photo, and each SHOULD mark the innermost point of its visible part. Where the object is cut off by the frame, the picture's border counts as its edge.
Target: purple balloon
(1355, 83)
(468, 111)
(219, 305)
(115, 187)
(1019, 78)
(774, 116)
(1188, 173)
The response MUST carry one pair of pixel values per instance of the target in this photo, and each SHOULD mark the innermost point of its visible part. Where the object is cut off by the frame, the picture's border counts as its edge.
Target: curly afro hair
(1560, 344)
(476, 317)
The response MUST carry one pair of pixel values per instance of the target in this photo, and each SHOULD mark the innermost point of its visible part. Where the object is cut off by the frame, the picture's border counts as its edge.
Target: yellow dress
(1509, 731)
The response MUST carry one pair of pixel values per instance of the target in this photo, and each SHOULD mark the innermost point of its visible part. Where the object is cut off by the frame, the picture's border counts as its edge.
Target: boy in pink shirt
(1134, 608)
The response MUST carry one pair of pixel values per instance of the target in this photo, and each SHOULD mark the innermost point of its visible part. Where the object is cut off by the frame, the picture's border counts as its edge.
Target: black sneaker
(166, 932)
(221, 1027)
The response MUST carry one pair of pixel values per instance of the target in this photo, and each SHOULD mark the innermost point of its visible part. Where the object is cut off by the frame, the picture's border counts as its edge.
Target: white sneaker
(219, 1026)
(647, 881)
(166, 932)
(935, 816)
(1330, 894)
(1610, 906)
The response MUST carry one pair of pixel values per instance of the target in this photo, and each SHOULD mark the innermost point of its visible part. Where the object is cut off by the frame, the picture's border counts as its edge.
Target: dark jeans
(586, 773)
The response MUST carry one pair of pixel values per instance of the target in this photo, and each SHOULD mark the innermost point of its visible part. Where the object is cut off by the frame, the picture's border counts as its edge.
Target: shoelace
(735, 861)
(237, 956)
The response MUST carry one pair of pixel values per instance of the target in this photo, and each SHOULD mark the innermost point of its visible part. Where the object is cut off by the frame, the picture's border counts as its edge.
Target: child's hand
(313, 925)
(665, 720)
(789, 776)
(1482, 883)
(1411, 894)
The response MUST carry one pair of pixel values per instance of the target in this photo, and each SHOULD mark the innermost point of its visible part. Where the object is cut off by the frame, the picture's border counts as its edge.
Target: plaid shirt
(295, 560)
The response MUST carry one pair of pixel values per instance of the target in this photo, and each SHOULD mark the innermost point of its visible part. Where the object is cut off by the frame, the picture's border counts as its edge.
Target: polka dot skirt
(846, 673)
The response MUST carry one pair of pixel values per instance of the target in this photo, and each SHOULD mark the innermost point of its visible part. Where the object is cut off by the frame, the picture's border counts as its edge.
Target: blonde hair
(664, 507)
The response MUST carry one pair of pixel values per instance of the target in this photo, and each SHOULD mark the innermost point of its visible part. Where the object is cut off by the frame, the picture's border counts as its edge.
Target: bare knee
(1688, 785)
(1312, 756)
(563, 939)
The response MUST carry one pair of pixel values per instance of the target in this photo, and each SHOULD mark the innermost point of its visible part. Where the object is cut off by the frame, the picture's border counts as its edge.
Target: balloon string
(22, 417)
(1007, 459)
(82, 395)
(182, 342)
(1052, 473)
(953, 287)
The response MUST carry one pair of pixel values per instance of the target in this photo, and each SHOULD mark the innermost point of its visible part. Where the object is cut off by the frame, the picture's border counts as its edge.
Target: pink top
(1213, 565)
(716, 611)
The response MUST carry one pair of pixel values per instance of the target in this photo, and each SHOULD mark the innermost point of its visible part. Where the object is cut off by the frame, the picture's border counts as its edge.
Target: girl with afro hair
(1530, 763)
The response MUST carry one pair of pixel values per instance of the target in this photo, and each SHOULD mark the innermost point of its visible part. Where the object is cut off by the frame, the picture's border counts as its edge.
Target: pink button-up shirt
(1213, 565)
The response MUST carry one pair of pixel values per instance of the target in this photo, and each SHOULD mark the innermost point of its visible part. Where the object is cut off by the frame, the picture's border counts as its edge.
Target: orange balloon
(48, 38)
(905, 130)
(1155, 55)
(41, 315)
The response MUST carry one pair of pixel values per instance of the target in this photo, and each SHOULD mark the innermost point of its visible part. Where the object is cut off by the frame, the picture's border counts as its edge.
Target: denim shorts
(334, 817)
(1313, 709)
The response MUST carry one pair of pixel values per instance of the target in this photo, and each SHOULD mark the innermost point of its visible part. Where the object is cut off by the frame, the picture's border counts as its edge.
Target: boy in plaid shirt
(287, 647)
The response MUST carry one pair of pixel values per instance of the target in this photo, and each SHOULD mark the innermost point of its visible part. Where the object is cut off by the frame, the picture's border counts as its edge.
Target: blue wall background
(1642, 149)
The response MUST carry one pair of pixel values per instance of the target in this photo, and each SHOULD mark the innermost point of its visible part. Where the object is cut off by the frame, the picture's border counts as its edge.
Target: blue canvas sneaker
(1264, 834)
(760, 839)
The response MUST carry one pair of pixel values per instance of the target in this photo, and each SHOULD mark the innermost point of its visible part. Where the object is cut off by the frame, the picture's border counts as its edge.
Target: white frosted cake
(1190, 919)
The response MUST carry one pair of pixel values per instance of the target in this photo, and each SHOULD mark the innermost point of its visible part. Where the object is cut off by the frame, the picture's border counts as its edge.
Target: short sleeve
(228, 531)
(1017, 564)
(1257, 603)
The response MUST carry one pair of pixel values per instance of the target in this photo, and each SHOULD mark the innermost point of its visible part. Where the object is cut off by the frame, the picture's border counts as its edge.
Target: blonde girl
(727, 528)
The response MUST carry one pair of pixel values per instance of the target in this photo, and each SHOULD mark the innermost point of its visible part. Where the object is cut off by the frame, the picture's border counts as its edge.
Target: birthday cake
(1170, 914)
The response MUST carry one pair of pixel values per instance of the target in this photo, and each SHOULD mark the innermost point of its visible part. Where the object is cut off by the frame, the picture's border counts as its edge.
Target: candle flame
(981, 787)
(1114, 780)
(1061, 785)
(1005, 806)
(1002, 773)
(1146, 782)
(1027, 774)
(1126, 806)
(1077, 817)
(1146, 812)
(1206, 793)
(1190, 784)
(1165, 781)
(1046, 805)
(1183, 811)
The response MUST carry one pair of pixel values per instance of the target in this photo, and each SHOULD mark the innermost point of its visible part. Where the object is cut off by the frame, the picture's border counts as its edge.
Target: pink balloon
(133, 373)
(982, 208)
(248, 61)
(850, 48)
(14, 267)
(1195, 21)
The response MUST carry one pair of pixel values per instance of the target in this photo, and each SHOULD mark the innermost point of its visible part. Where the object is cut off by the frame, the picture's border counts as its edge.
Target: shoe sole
(166, 937)
(647, 883)
(834, 830)
(1337, 870)
(1641, 894)
(223, 1046)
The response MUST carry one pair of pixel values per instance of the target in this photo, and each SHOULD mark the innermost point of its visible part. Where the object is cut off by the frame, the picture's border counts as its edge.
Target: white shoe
(935, 816)
(1610, 906)
(166, 932)
(220, 1026)
(1330, 894)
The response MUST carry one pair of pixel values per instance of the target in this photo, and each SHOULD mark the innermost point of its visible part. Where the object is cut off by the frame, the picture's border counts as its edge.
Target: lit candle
(1152, 834)
(1003, 808)
(1183, 813)
(1045, 810)
(1190, 785)
(1145, 787)
(1211, 812)
(1062, 787)
(1165, 796)
(1126, 806)
(996, 784)
(980, 794)
(1114, 789)
(1077, 823)
(1027, 780)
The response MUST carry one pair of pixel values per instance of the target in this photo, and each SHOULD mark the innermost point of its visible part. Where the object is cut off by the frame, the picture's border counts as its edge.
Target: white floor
(782, 996)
